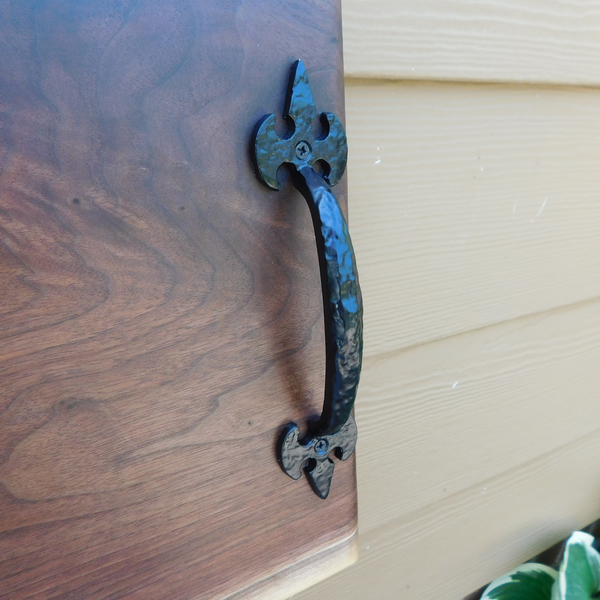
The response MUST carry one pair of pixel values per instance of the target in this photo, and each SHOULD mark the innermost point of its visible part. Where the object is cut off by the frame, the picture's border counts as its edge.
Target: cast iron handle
(342, 301)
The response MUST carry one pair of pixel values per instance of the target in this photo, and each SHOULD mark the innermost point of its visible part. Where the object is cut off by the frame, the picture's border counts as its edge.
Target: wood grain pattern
(471, 205)
(454, 546)
(304, 573)
(161, 310)
(549, 41)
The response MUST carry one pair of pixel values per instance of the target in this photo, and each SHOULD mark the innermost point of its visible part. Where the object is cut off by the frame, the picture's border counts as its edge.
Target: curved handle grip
(342, 300)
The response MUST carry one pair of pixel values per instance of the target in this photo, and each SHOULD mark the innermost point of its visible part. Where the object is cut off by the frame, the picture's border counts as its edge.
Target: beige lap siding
(475, 214)
(469, 204)
(532, 41)
(450, 548)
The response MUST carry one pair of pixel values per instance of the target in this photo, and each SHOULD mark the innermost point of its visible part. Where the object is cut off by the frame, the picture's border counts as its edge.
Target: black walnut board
(161, 313)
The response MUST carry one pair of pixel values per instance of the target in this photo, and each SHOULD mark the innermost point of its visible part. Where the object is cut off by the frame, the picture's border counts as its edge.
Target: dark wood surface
(160, 310)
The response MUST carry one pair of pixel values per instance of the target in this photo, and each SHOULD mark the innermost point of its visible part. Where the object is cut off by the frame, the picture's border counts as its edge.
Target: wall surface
(474, 130)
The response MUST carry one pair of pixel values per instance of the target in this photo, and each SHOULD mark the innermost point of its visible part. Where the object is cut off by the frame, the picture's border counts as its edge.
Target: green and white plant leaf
(530, 581)
(579, 573)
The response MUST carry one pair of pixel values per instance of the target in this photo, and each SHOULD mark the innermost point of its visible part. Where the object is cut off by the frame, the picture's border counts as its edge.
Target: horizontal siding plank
(547, 41)
(441, 417)
(471, 204)
(455, 546)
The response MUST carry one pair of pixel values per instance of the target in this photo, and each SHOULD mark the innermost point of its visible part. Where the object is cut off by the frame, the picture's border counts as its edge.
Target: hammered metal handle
(342, 301)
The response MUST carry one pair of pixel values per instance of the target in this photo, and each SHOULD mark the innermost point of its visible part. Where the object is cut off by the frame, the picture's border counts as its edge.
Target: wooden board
(161, 310)
(471, 205)
(547, 41)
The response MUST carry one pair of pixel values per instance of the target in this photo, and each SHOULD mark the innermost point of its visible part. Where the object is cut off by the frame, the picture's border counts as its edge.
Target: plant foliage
(578, 577)
(530, 581)
(579, 573)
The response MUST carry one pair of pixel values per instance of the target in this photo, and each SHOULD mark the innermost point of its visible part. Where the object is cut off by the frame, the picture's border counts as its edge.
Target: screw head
(321, 447)
(303, 150)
